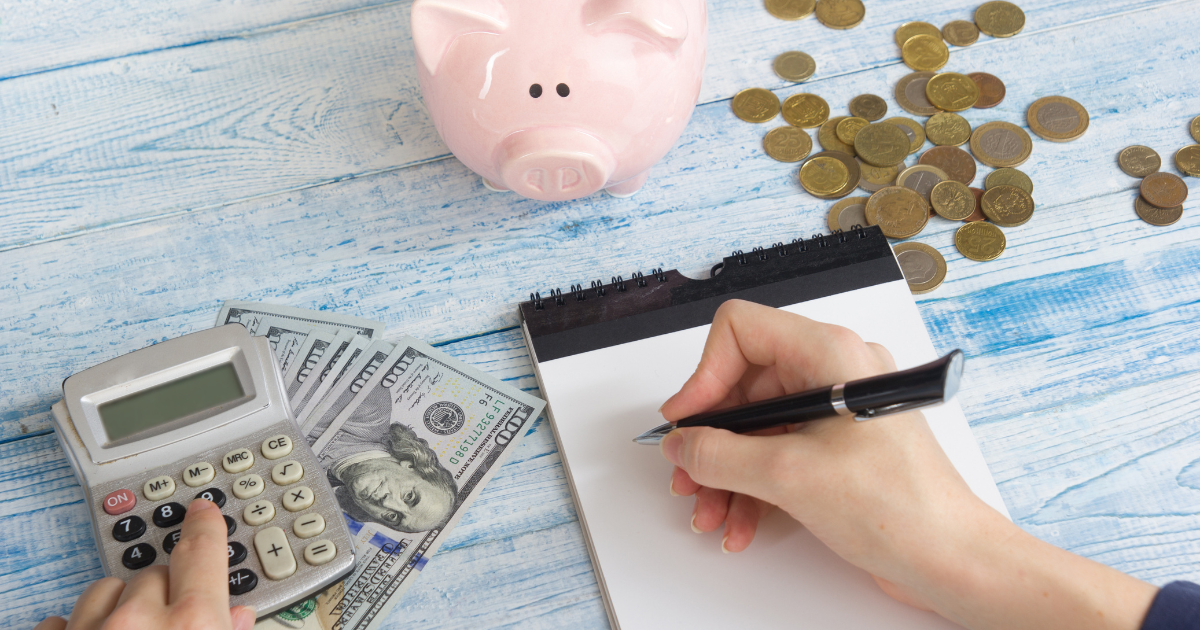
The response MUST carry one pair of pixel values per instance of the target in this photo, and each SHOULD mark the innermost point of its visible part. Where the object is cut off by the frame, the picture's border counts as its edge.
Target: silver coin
(915, 91)
(917, 266)
(852, 215)
(1058, 117)
(920, 179)
(1003, 145)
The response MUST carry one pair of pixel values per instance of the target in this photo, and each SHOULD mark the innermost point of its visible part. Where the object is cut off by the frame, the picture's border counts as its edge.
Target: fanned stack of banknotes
(408, 435)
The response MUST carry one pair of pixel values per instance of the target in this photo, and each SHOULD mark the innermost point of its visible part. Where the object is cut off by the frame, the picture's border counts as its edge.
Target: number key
(237, 553)
(248, 487)
(171, 540)
(138, 556)
(214, 495)
(168, 514)
(128, 528)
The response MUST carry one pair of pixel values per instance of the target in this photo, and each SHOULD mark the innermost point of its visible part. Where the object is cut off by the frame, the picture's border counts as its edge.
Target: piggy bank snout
(554, 164)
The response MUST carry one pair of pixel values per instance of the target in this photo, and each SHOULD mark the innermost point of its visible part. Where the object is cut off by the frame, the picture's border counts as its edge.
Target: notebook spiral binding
(639, 280)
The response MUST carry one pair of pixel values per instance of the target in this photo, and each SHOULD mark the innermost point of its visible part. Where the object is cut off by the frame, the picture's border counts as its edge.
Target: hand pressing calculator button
(171, 540)
(128, 528)
(214, 495)
(230, 525)
(274, 553)
(288, 472)
(258, 513)
(168, 514)
(276, 447)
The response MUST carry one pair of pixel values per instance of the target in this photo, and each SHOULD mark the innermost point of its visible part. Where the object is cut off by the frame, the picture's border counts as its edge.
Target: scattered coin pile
(1161, 195)
(839, 14)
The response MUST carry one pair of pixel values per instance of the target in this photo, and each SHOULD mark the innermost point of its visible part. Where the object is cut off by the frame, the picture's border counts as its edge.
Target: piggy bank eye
(563, 90)
(535, 90)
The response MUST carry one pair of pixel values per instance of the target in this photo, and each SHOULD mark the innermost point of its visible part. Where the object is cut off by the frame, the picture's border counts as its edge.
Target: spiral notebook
(608, 355)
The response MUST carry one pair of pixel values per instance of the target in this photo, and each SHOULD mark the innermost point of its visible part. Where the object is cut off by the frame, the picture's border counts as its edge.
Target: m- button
(198, 474)
(119, 501)
(276, 447)
(237, 461)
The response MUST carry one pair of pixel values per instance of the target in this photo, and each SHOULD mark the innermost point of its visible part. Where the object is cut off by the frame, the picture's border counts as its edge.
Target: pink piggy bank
(556, 99)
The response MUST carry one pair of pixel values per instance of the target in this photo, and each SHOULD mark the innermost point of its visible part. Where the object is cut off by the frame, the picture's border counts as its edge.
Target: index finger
(200, 561)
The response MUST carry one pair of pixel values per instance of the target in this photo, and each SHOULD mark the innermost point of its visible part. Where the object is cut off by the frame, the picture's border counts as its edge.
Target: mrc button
(276, 447)
(119, 501)
(237, 461)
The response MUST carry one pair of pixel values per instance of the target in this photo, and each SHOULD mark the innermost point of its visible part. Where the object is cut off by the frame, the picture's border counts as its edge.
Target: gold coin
(1138, 161)
(1007, 206)
(755, 105)
(787, 144)
(805, 110)
(795, 66)
(999, 144)
(840, 14)
(898, 211)
(980, 240)
(791, 9)
(874, 178)
(921, 179)
(1008, 177)
(925, 52)
(852, 167)
(1057, 118)
(827, 136)
(924, 267)
(823, 176)
(952, 200)
(1164, 190)
(1000, 19)
(910, 29)
(881, 144)
(868, 107)
(1187, 160)
(960, 33)
(1196, 129)
(848, 128)
(952, 92)
(1155, 215)
(948, 130)
(912, 129)
(847, 213)
(910, 94)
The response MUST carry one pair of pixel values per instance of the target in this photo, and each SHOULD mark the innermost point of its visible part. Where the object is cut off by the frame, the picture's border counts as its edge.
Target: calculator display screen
(171, 401)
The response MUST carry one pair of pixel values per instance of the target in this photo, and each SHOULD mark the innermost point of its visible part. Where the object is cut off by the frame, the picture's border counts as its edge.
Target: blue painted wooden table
(157, 159)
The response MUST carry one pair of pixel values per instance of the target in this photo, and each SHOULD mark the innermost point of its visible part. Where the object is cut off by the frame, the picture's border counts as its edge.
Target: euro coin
(978, 214)
(1164, 190)
(875, 178)
(924, 267)
(787, 144)
(1057, 118)
(1187, 160)
(952, 92)
(980, 240)
(991, 90)
(1155, 215)
(948, 129)
(910, 29)
(805, 110)
(921, 179)
(925, 53)
(823, 176)
(881, 144)
(755, 105)
(898, 211)
(957, 164)
(1000, 19)
(1007, 206)
(910, 94)
(795, 66)
(868, 107)
(952, 200)
(999, 144)
(847, 213)
(827, 136)
(840, 14)
(960, 33)
(1195, 129)
(848, 128)
(1008, 177)
(912, 129)
(1138, 161)
(791, 9)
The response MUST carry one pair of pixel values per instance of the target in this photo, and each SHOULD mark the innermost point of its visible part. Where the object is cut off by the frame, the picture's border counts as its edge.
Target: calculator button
(276, 447)
(168, 515)
(296, 499)
(319, 552)
(274, 553)
(258, 513)
(309, 525)
(237, 553)
(237, 461)
(171, 540)
(242, 581)
(214, 495)
(129, 528)
(138, 556)
(159, 488)
(198, 474)
(247, 487)
(287, 472)
(230, 525)
(119, 502)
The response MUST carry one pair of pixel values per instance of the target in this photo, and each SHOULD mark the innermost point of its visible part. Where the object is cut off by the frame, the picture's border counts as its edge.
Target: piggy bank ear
(661, 22)
(437, 23)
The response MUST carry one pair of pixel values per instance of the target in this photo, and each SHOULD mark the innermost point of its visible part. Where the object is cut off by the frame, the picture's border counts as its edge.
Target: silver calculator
(204, 415)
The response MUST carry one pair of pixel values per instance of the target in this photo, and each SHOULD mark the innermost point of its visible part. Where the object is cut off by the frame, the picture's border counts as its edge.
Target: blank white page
(655, 572)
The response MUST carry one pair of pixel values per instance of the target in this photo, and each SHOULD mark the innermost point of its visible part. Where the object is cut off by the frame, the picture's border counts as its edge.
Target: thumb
(721, 459)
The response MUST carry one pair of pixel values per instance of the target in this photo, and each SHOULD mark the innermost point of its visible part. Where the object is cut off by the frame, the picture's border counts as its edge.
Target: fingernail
(202, 504)
(694, 528)
(245, 618)
(661, 406)
(671, 446)
(725, 549)
(673, 493)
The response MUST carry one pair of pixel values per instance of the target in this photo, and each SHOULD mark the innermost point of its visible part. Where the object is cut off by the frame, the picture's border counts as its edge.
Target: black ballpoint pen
(930, 384)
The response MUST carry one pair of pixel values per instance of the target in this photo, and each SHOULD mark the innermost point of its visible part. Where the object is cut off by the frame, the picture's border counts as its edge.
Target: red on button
(119, 501)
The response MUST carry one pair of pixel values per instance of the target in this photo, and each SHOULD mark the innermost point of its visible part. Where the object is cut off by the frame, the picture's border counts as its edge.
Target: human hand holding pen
(882, 494)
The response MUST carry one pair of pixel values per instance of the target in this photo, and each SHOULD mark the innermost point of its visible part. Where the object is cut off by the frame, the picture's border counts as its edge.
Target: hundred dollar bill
(255, 315)
(327, 374)
(407, 456)
(310, 353)
(299, 616)
(357, 374)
